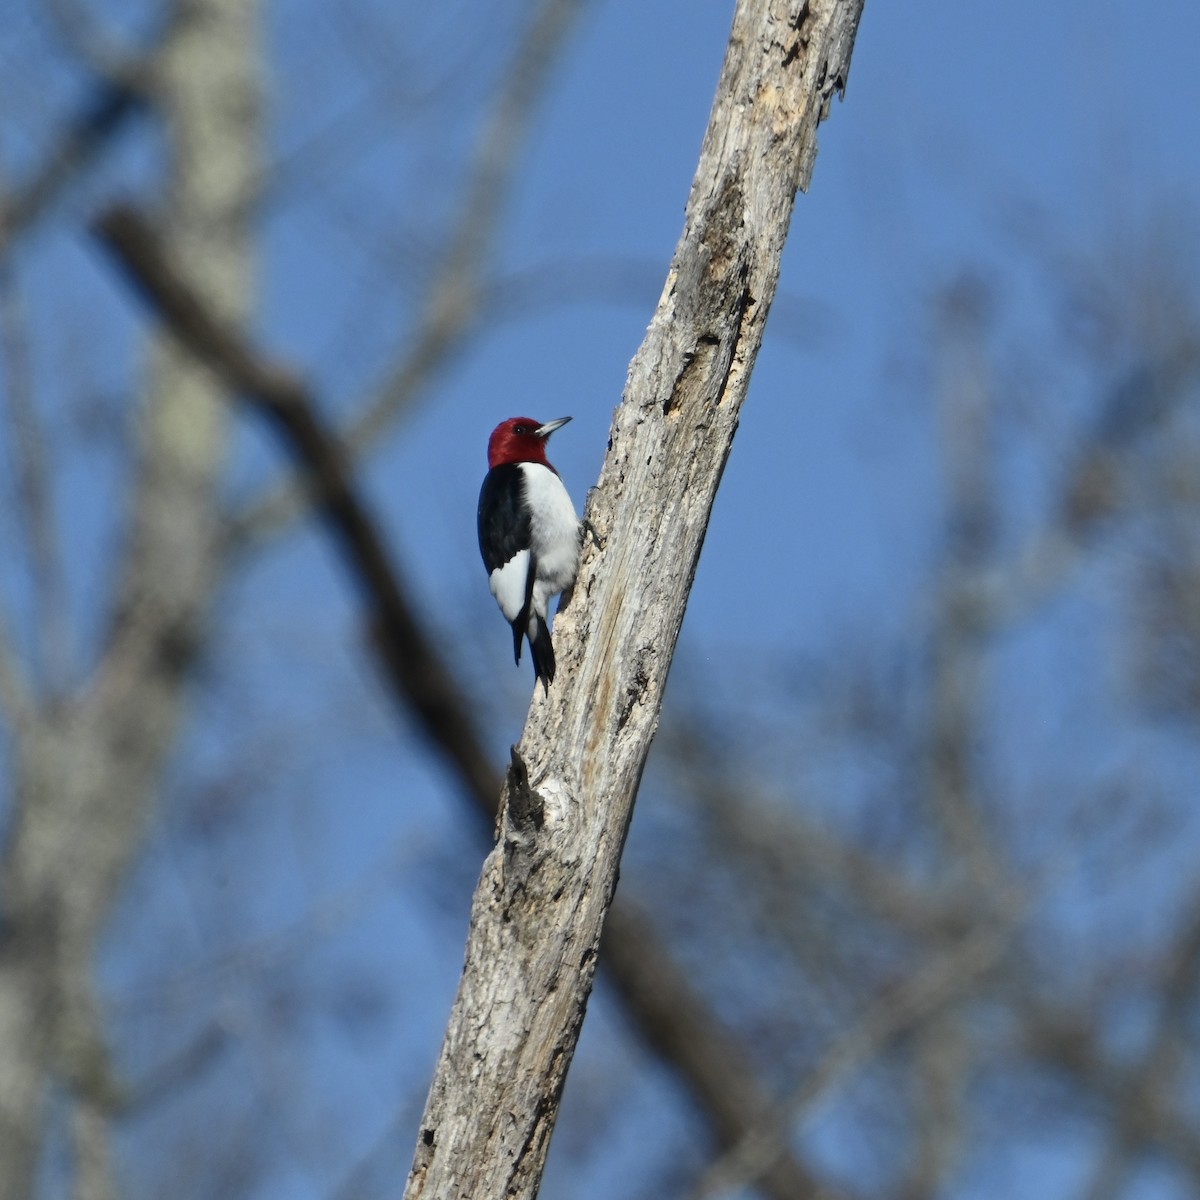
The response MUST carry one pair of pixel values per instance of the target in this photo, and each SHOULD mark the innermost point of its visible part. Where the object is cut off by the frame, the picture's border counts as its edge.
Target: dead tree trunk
(546, 887)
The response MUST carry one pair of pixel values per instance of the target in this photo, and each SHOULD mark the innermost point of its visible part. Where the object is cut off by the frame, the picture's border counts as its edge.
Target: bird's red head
(521, 439)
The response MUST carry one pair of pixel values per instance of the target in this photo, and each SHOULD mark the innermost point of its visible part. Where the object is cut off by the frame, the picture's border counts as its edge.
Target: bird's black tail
(541, 649)
(521, 623)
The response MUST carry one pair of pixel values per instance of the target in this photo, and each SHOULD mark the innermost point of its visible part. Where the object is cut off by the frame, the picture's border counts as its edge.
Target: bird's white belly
(555, 525)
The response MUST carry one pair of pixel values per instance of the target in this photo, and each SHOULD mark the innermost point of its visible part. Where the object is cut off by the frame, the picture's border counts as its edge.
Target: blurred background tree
(910, 900)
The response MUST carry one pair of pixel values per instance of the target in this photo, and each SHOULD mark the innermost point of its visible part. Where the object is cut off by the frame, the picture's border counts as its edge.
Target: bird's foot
(590, 529)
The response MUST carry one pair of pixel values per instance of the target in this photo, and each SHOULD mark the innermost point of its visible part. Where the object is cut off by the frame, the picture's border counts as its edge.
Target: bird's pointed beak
(544, 431)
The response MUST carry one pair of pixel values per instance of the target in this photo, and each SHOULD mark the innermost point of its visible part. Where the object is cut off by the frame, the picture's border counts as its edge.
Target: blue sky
(972, 136)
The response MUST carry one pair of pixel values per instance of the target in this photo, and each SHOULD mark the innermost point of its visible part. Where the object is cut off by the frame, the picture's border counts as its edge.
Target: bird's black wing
(504, 526)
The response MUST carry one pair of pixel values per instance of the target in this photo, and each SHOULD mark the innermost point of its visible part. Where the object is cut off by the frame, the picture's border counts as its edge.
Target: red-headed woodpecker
(529, 534)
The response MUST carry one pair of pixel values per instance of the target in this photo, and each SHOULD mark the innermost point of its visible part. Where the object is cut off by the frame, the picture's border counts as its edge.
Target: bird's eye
(522, 429)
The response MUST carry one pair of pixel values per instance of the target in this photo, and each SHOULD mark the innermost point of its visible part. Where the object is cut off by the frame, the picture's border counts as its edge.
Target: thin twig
(34, 500)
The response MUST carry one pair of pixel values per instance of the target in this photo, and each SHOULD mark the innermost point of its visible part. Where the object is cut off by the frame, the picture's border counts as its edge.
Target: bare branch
(34, 502)
(1143, 1118)
(195, 1057)
(94, 1177)
(84, 36)
(941, 1068)
(403, 647)
(965, 411)
(1142, 1099)
(102, 115)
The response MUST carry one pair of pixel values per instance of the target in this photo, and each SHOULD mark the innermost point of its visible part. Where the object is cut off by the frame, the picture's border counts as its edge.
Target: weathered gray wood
(541, 901)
